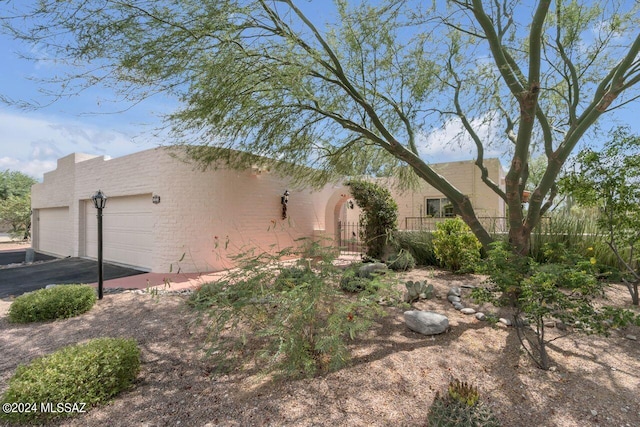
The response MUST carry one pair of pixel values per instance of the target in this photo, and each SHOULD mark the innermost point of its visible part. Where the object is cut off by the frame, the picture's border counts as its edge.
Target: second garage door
(127, 230)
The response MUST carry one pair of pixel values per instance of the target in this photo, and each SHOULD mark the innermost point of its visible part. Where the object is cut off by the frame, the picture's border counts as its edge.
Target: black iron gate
(349, 237)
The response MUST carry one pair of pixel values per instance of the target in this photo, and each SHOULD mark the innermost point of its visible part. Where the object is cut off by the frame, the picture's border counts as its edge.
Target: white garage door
(127, 225)
(54, 231)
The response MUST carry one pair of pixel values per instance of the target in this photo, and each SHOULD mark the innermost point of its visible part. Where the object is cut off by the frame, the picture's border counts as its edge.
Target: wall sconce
(284, 199)
(155, 199)
(350, 204)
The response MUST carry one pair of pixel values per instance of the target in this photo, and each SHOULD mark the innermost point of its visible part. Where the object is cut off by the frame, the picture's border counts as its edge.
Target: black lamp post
(99, 201)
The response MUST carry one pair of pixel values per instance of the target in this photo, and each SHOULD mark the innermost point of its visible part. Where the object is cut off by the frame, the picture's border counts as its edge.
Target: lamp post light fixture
(284, 199)
(99, 201)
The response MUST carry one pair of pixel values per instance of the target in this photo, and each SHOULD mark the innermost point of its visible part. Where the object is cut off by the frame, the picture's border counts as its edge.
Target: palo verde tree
(361, 92)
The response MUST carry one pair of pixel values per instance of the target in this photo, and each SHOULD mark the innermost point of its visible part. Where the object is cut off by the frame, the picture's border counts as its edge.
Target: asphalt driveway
(16, 257)
(16, 281)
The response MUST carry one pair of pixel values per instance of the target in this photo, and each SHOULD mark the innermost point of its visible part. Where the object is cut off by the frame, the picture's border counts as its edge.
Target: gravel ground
(392, 381)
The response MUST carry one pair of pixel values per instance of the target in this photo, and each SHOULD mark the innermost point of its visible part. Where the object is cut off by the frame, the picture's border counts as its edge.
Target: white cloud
(32, 143)
(451, 142)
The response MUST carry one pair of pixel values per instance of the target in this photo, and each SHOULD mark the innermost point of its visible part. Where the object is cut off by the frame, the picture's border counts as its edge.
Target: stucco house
(163, 214)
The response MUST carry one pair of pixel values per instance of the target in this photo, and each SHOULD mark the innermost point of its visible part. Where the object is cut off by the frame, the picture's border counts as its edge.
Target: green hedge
(82, 375)
(58, 302)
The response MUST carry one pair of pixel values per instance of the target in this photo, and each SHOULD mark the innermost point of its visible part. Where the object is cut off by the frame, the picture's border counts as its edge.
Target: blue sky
(32, 141)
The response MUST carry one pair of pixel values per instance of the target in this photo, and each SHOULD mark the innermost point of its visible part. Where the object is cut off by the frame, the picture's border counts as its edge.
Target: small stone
(453, 298)
(631, 337)
(455, 291)
(481, 316)
(467, 311)
(561, 326)
(504, 321)
(553, 369)
(458, 306)
(550, 324)
(468, 286)
(594, 412)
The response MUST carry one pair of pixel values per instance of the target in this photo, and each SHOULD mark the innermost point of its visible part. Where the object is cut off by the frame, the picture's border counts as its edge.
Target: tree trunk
(520, 239)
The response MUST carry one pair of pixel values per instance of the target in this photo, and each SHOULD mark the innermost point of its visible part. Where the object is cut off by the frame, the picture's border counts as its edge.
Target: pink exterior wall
(200, 212)
(209, 215)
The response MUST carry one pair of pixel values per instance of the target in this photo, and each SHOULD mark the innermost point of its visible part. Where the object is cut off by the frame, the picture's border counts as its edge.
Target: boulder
(467, 311)
(455, 291)
(453, 298)
(458, 306)
(368, 270)
(426, 322)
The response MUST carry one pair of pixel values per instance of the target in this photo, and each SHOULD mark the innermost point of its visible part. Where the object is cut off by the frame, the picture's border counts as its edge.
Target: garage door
(127, 230)
(54, 231)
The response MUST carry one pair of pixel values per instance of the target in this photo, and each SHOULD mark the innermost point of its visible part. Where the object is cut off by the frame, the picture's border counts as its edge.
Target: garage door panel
(54, 231)
(127, 230)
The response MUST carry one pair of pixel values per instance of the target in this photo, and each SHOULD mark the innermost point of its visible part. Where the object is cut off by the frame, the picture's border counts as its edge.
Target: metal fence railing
(349, 237)
(493, 224)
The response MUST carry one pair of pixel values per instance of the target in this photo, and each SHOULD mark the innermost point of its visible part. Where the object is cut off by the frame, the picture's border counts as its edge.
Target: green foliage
(460, 407)
(15, 202)
(58, 302)
(418, 290)
(295, 320)
(15, 184)
(402, 261)
(379, 215)
(455, 246)
(417, 243)
(562, 289)
(608, 180)
(351, 281)
(89, 373)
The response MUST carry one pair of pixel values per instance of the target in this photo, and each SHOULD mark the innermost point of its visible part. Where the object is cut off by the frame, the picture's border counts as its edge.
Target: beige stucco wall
(207, 216)
(466, 177)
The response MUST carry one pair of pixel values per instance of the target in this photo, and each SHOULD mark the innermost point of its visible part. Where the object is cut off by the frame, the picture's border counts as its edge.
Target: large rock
(426, 322)
(368, 270)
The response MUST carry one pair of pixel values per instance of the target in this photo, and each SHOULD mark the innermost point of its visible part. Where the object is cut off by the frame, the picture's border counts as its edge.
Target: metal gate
(349, 237)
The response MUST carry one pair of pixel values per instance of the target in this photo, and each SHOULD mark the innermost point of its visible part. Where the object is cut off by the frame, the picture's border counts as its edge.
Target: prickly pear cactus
(460, 407)
(417, 290)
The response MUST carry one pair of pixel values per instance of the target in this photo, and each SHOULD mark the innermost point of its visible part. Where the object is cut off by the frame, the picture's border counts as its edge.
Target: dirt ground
(392, 380)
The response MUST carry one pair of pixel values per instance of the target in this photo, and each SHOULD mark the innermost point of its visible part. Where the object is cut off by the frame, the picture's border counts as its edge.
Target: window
(439, 208)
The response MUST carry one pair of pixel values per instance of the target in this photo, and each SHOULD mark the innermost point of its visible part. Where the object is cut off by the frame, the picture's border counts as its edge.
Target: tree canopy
(15, 201)
(361, 92)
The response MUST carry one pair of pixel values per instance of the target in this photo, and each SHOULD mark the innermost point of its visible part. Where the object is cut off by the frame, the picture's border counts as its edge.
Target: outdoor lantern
(284, 200)
(99, 201)
(155, 199)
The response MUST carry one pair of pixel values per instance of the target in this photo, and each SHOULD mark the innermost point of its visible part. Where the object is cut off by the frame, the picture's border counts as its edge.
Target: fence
(349, 237)
(494, 225)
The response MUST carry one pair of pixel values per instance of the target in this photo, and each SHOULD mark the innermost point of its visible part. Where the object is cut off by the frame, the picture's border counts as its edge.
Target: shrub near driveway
(58, 302)
(71, 380)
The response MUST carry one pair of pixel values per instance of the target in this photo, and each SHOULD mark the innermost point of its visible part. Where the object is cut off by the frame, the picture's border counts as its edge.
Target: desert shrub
(417, 243)
(455, 246)
(403, 261)
(380, 215)
(562, 289)
(460, 407)
(58, 302)
(352, 282)
(89, 373)
(299, 320)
